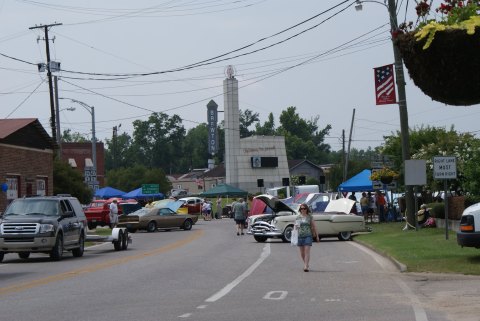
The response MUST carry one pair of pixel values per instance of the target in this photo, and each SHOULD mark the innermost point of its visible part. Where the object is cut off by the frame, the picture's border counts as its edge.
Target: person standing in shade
(239, 215)
(113, 215)
(381, 204)
(219, 207)
(306, 234)
(364, 206)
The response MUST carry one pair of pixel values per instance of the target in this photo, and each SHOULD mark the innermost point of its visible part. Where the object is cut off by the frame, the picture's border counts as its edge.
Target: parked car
(47, 224)
(151, 219)
(193, 204)
(97, 212)
(469, 231)
(335, 221)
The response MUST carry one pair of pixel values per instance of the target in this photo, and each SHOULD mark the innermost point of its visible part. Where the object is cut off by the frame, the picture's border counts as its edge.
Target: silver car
(335, 221)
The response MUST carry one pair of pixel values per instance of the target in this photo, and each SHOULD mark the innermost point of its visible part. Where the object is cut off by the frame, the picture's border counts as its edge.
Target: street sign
(444, 167)
(379, 185)
(150, 188)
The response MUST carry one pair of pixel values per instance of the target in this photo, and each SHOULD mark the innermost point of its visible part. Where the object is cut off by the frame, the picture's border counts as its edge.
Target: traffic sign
(444, 167)
(150, 188)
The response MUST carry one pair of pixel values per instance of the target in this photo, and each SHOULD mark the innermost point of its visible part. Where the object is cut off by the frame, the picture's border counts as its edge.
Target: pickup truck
(43, 224)
(97, 212)
(469, 231)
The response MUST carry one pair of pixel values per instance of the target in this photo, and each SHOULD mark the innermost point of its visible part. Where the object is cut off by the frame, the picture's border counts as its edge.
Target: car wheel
(187, 225)
(345, 236)
(57, 251)
(260, 239)
(24, 255)
(125, 240)
(151, 227)
(2, 254)
(287, 234)
(78, 252)
(117, 245)
(91, 226)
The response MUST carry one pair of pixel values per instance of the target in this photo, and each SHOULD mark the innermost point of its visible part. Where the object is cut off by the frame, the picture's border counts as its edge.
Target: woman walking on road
(306, 233)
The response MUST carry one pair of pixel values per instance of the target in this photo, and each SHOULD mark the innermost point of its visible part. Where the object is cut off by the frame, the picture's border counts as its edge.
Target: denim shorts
(305, 241)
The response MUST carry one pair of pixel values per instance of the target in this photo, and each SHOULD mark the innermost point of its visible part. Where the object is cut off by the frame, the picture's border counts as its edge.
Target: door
(71, 225)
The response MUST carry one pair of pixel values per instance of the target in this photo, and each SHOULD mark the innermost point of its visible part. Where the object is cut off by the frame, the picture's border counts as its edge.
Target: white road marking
(229, 287)
(276, 295)
(186, 315)
(419, 312)
(202, 306)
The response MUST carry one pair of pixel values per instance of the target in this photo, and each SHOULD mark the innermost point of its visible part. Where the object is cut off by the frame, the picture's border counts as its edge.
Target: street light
(402, 100)
(91, 110)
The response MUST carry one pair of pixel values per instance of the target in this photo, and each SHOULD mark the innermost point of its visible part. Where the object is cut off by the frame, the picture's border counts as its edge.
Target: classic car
(151, 219)
(335, 221)
(193, 204)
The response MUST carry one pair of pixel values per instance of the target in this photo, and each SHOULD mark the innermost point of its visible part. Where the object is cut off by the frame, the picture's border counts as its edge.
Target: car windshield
(96, 204)
(33, 207)
(142, 212)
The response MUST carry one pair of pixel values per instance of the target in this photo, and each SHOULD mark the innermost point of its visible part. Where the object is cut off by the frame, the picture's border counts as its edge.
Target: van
(469, 231)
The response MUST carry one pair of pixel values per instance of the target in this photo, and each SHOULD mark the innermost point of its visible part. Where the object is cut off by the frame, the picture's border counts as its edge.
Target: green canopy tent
(224, 190)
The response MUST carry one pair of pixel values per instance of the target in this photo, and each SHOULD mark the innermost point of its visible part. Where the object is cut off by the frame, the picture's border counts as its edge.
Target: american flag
(385, 85)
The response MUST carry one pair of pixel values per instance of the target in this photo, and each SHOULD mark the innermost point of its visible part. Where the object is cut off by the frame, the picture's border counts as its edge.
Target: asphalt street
(210, 273)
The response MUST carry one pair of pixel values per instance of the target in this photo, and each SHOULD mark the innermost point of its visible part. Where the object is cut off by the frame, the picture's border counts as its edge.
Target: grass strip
(425, 250)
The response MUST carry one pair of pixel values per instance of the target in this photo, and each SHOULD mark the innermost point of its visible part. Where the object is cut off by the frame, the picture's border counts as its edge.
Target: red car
(97, 212)
(194, 204)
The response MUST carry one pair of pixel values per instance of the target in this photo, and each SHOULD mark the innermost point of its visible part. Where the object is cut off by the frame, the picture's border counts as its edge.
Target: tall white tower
(232, 126)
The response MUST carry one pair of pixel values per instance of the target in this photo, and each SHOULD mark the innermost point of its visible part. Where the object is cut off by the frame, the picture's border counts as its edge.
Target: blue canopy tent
(137, 194)
(358, 183)
(108, 192)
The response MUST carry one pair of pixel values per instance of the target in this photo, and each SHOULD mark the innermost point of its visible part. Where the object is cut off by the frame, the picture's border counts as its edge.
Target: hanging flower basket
(449, 69)
(386, 179)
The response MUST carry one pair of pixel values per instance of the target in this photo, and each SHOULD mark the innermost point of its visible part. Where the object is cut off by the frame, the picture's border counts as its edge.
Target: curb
(399, 265)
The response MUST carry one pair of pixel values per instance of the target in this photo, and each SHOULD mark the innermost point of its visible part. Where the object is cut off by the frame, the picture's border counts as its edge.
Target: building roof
(19, 131)
(217, 171)
(292, 163)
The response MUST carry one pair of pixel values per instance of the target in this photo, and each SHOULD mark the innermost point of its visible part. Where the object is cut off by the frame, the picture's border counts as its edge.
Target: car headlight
(45, 228)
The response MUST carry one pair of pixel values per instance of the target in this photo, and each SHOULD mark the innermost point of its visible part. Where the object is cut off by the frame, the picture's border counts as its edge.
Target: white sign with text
(444, 167)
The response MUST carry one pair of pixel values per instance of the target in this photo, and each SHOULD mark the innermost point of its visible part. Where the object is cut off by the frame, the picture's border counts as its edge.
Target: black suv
(45, 224)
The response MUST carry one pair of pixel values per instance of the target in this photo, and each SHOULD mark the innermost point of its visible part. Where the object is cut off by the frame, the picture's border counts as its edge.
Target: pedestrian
(307, 232)
(206, 211)
(219, 207)
(113, 215)
(239, 216)
(364, 206)
(372, 207)
(380, 201)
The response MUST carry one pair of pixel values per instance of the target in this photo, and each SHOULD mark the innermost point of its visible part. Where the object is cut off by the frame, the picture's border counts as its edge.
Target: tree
(75, 137)
(196, 143)
(268, 127)
(157, 142)
(303, 139)
(247, 118)
(128, 179)
(67, 180)
(427, 142)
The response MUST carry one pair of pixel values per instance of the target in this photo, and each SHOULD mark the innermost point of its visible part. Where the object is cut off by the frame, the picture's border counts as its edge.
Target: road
(210, 273)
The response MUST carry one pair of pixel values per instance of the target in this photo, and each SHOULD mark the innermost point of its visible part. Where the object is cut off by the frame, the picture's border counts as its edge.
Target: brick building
(26, 160)
(79, 156)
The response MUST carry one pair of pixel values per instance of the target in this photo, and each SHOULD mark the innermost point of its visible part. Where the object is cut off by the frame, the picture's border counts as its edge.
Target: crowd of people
(374, 205)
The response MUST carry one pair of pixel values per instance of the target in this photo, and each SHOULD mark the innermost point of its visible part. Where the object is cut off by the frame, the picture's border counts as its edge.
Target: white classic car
(335, 221)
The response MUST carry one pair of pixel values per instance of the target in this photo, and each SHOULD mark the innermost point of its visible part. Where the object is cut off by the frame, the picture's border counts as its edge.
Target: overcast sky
(323, 66)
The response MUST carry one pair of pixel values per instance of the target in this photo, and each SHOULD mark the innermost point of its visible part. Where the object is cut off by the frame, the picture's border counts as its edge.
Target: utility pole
(402, 105)
(349, 143)
(343, 155)
(49, 74)
(57, 118)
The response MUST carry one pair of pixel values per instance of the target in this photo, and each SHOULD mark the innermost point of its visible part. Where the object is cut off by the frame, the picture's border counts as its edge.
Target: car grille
(18, 240)
(19, 228)
(262, 227)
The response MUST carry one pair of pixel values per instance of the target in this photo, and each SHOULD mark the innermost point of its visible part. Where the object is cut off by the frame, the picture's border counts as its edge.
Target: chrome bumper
(264, 229)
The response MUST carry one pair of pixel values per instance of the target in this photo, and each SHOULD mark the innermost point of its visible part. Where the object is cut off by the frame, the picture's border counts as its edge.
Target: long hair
(304, 205)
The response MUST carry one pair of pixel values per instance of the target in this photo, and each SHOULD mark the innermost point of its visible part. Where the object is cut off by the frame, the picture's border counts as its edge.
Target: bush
(437, 210)
(471, 199)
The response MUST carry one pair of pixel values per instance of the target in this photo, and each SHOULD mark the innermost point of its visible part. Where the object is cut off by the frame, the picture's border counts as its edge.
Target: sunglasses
(303, 208)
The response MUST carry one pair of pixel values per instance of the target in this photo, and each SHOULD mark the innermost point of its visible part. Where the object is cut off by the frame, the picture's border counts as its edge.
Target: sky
(131, 58)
